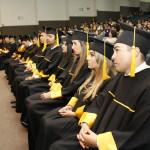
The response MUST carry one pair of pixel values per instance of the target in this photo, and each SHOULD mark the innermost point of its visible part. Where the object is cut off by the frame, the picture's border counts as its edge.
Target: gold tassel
(30, 39)
(38, 44)
(133, 60)
(105, 76)
(87, 46)
(44, 47)
(57, 38)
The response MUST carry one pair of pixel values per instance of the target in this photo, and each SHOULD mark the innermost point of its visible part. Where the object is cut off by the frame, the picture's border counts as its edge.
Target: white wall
(107, 5)
(18, 12)
(84, 8)
(114, 5)
(29, 12)
(52, 10)
(129, 3)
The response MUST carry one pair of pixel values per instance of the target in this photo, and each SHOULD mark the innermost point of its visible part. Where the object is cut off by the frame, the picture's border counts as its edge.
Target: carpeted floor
(12, 135)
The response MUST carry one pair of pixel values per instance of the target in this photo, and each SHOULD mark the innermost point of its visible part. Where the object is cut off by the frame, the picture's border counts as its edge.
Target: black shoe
(24, 124)
(14, 106)
(13, 101)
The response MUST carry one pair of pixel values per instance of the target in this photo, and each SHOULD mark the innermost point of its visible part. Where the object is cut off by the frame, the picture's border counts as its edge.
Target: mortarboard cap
(6, 36)
(142, 38)
(1, 37)
(35, 35)
(98, 46)
(11, 36)
(54, 31)
(68, 38)
(25, 38)
(82, 36)
(44, 29)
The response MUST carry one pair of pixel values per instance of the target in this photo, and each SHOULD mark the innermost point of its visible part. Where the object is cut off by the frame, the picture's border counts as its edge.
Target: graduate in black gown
(9, 47)
(123, 111)
(61, 122)
(39, 56)
(60, 74)
(39, 104)
(15, 64)
(44, 69)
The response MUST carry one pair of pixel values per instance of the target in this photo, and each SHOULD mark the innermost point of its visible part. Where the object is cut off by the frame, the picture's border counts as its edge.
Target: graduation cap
(134, 37)
(11, 36)
(98, 46)
(35, 35)
(82, 36)
(25, 38)
(6, 36)
(1, 37)
(106, 49)
(20, 36)
(44, 29)
(68, 37)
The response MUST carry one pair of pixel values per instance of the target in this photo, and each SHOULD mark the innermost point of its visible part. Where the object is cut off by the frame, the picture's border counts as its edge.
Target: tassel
(44, 47)
(133, 60)
(105, 76)
(38, 44)
(87, 46)
(57, 38)
(30, 39)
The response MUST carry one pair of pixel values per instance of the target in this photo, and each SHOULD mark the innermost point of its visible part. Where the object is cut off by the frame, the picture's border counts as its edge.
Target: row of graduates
(105, 113)
(7, 47)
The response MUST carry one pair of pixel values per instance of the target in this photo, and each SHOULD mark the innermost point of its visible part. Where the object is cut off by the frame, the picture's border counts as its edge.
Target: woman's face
(76, 47)
(64, 47)
(92, 63)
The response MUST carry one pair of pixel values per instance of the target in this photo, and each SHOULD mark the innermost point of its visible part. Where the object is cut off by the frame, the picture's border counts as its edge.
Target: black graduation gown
(15, 86)
(53, 126)
(61, 73)
(12, 66)
(22, 75)
(123, 114)
(5, 56)
(48, 66)
(37, 108)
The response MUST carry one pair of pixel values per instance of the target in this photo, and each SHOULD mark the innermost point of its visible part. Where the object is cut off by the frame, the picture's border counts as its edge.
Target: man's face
(122, 57)
(42, 37)
(6, 39)
(11, 40)
(25, 43)
(50, 39)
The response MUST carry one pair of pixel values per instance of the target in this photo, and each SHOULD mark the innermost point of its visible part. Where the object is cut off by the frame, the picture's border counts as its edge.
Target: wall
(52, 10)
(18, 15)
(145, 6)
(82, 8)
(18, 12)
